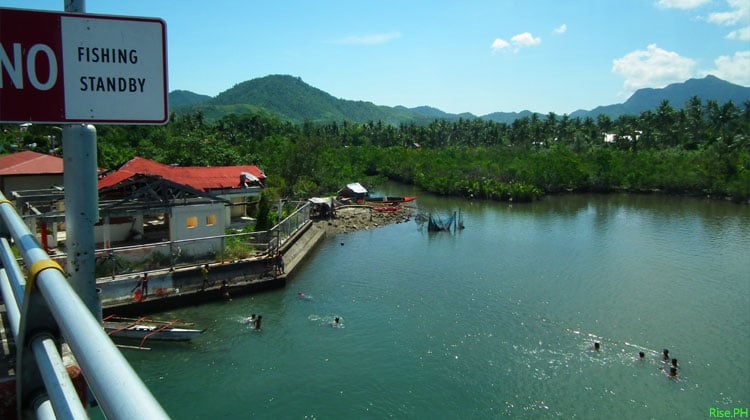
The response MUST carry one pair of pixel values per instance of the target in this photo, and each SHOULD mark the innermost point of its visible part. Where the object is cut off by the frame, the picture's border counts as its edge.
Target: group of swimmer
(255, 320)
(665, 358)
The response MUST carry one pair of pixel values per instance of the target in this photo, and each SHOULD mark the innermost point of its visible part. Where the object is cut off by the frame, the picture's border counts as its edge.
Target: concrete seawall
(184, 287)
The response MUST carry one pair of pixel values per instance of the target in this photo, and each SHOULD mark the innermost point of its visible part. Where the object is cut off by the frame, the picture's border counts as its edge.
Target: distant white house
(612, 137)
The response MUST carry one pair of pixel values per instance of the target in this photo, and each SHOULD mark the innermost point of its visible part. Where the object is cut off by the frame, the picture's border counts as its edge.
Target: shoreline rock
(352, 219)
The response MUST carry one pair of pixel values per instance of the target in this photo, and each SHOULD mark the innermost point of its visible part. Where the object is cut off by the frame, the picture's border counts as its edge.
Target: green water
(493, 321)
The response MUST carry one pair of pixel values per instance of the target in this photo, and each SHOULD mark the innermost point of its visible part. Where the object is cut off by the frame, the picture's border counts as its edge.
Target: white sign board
(82, 68)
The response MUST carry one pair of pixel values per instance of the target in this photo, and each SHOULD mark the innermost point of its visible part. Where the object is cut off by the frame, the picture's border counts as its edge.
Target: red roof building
(30, 163)
(204, 179)
(29, 171)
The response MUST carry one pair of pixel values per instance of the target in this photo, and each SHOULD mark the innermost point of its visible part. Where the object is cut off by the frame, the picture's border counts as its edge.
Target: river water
(495, 320)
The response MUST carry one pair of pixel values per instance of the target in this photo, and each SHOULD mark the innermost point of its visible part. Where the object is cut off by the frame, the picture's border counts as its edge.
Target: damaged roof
(199, 178)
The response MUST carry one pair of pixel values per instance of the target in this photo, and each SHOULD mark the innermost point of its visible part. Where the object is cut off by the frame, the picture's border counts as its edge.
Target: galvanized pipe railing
(51, 307)
(287, 227)
(60, 389)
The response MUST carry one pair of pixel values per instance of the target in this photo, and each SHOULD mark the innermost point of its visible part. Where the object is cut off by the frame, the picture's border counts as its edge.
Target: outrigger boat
(144, 329)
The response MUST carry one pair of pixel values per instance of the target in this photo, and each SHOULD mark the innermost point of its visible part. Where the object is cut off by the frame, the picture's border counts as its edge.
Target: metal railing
(44, 310)
(172, 255)
(289, 226)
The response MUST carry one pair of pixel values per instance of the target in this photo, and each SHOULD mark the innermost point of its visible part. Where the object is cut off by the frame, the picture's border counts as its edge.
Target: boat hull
(148, 329)
(139, 332)
(386, 201)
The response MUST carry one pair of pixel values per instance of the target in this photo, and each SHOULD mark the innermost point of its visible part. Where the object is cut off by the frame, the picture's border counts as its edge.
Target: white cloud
(561, 29)
(734, 69)
(681, 4)
(518, 41)
(740, 12)
(742, 34)
(525, 40)
(499, 44)
(653, 67)
(371, 39)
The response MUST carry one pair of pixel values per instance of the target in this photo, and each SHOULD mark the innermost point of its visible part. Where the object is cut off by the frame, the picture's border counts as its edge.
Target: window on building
(192, 222)
(210, 220)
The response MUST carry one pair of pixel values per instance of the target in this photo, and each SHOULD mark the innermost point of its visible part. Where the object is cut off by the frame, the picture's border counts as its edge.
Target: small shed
(353, 192)
(322, 207)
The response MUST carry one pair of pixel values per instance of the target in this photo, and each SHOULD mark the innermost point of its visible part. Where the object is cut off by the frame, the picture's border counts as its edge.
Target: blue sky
(469, 56)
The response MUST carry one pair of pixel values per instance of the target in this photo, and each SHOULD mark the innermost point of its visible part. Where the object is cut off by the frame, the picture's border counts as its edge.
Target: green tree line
(701, 149)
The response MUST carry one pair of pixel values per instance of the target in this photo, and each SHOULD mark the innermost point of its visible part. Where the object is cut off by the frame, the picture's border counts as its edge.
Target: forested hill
(181, 98)
(710, 88)
(292, 99)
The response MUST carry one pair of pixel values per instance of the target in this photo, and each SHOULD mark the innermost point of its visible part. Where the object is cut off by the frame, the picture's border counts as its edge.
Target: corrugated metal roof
(199, 178)
(30, 163)
(322, 200)
(357, 188)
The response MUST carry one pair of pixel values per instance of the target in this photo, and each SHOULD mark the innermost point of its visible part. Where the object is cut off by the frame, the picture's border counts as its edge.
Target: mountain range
(292, 99)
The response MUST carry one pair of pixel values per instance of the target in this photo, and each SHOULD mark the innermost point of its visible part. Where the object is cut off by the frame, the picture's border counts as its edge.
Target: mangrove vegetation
(700, 149)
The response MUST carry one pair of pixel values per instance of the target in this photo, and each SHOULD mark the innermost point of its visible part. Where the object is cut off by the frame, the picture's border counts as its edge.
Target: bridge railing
(43, 310)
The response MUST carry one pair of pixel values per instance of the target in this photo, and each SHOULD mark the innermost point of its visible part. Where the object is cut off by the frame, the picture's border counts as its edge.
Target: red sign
(71, 68)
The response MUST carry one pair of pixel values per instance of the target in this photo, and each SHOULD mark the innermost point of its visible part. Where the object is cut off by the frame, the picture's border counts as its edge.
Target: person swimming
(665, 355)
(336, 322)
(225, 290)
(597, 346)
(672, 373)
(249, 320)
(674, 363)
(641, 355)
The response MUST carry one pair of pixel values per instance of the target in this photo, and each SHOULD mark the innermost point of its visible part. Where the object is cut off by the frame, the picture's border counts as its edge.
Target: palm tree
(695, 122)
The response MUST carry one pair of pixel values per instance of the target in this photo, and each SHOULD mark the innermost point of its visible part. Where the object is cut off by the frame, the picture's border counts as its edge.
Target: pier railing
(43, 311)
(172, 255)
(289, 226)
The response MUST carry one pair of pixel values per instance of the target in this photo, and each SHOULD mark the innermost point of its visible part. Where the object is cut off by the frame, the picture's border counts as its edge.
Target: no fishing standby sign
(80, 68)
